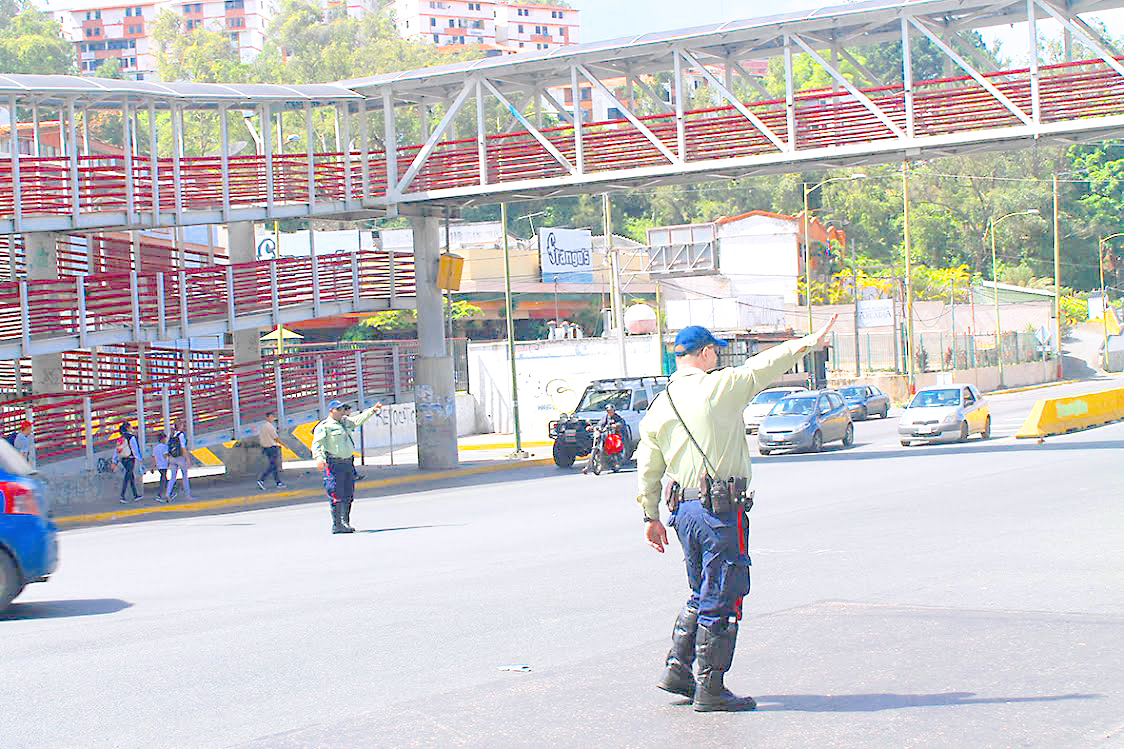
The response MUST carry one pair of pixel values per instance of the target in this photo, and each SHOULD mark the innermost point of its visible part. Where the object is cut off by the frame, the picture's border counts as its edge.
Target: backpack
(175, 447)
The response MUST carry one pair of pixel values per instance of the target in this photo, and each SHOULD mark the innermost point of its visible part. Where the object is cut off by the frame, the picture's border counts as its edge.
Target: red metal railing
(823, 118)
(54, 306)
(204, 386)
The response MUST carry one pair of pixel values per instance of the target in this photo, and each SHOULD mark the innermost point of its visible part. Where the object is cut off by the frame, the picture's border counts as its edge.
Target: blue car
(805, 421)
(28, 546)
(866, 401)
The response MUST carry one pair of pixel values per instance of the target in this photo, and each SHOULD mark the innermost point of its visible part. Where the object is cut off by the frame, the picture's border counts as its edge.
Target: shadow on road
(969, 447)
(867, 703)
(63, 609)
(408, 528)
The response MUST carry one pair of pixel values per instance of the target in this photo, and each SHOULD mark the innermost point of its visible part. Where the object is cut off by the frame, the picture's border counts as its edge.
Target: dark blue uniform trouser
(714, 549)
(339, 480)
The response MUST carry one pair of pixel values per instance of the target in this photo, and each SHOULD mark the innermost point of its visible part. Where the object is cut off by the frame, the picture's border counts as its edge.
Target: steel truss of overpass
(451, 152)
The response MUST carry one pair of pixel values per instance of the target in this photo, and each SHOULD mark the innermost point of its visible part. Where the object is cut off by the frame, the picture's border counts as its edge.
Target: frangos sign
(566, 255)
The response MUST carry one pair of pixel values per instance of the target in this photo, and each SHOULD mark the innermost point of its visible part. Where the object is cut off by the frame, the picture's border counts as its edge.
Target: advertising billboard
(566, 255)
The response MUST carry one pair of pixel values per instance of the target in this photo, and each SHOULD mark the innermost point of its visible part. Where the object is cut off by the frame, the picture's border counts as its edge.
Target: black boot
(346, 515)
(716, 644)
(337, 519)
(678, 677)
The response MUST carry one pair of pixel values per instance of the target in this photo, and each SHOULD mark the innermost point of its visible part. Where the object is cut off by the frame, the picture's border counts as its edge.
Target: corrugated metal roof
(61, 87)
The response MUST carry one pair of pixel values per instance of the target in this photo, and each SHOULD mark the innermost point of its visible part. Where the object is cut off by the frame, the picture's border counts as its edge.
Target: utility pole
(1058, 269)
(509, 306)
(616, 302)
(855, 283)
(908, 280)
(897, 331)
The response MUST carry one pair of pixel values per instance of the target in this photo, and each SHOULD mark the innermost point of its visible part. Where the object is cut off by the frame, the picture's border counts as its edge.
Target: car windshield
(936, 398)
(597, 400)
(852, 392)
(800, 406)
(770, 396)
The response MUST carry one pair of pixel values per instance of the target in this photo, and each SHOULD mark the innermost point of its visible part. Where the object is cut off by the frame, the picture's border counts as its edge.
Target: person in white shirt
(160, 464)
(267, 438)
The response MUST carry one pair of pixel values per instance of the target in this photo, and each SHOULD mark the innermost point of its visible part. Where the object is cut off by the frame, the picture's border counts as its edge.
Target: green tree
(31, 42)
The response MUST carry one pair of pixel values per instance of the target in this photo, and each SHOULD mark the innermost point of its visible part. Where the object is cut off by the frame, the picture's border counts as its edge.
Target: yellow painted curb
(503, 445)
(205, 457)
(1032, 387)
(286, 453)
(258, 499)
(303, 433)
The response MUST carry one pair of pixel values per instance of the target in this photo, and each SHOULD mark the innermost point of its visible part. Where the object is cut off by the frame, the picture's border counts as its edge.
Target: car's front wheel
(886, 411)
(849, 436)
(986, 433)
(764, 451)
(906, 443)
(963, 431)
(817, 442)
(11, 584)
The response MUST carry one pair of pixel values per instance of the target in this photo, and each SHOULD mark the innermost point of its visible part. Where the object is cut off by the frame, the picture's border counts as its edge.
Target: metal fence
(933, 352)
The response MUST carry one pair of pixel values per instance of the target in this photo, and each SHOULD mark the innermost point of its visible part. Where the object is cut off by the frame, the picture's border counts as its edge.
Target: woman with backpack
(126, 454)
(177, 461)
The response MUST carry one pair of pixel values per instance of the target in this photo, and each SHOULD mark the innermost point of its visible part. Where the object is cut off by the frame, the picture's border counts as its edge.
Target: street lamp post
(995, 285)
(807, 252)
(1104, 293)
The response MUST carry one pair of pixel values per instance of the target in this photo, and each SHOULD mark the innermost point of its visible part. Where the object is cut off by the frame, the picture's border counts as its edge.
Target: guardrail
(214, 404)
(1053, 416)
(34, 311)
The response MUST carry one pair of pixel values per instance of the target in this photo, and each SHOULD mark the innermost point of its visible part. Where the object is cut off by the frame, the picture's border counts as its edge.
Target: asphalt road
(947, 596)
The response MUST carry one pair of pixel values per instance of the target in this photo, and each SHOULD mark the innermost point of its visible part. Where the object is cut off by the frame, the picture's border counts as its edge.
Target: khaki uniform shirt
(332, 439)
(711, 403)
(267, 434)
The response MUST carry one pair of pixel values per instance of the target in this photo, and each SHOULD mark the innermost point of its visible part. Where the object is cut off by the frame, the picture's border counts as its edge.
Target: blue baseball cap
(333, 405)
(694, 337)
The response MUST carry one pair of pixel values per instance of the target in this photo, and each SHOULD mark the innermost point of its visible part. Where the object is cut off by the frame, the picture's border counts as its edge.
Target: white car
(945, 412)
(763, 403)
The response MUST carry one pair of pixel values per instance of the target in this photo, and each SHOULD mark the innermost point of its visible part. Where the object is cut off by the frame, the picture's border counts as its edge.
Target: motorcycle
(608, 449)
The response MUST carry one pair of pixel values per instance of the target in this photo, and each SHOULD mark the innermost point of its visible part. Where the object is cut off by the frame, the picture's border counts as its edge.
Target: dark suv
(629, 395)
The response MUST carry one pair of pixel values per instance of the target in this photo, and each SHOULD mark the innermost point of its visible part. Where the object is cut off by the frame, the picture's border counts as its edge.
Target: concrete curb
(274, 498)
(1026, 388)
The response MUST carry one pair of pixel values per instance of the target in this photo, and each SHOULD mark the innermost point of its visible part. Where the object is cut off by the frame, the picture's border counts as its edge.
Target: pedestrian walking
(693, 434)
(267, 438)
(177, 461)
(160, 463)
(333, 448)
(126, 454)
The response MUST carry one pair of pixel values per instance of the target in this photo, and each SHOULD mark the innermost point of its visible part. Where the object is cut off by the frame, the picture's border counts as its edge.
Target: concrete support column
(240, 234)
(41, 255)
(434, 396)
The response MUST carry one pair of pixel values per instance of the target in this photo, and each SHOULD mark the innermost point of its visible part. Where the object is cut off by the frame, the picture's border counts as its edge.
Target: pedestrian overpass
(682, 108)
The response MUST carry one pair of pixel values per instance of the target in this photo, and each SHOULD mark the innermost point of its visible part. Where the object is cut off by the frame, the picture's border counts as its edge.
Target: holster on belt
(672, 494)
(724, 495)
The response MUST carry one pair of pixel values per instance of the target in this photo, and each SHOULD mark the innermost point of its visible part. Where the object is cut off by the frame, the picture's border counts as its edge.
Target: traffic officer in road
(693, 434)
(333, 448)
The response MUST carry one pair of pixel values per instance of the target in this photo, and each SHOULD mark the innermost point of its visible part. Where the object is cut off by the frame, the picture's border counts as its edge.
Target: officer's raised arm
(762, 370)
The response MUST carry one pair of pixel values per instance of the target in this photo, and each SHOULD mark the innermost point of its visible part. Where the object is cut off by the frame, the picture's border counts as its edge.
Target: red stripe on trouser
(741, 550)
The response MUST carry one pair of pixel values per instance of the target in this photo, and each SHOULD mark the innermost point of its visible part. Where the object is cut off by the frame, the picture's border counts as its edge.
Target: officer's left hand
(655, 534)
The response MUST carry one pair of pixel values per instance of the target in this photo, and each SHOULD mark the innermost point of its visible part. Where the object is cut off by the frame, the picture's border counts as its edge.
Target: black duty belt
(334, 459)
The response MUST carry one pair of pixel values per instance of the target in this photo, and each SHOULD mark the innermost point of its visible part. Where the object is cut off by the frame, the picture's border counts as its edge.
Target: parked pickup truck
(629, 395)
